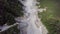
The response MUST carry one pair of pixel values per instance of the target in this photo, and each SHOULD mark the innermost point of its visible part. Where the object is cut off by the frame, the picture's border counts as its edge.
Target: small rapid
(30, 23)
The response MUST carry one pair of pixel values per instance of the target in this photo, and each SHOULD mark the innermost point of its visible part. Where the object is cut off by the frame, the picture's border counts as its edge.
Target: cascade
(30, 23)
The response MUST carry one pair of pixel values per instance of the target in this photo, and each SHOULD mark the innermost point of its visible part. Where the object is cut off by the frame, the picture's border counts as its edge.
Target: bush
(9, 10)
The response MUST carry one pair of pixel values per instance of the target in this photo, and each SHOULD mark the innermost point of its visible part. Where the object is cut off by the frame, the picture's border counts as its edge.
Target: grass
(50, 17)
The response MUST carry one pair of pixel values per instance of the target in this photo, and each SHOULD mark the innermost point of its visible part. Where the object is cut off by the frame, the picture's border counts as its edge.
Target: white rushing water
(30, 23)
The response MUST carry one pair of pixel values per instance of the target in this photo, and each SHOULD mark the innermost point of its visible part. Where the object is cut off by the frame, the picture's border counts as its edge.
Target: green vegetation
(51, 17)
(9, 10)
(52, 24)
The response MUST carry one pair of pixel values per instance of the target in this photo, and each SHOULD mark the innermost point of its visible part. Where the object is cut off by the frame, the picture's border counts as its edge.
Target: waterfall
(30, 23)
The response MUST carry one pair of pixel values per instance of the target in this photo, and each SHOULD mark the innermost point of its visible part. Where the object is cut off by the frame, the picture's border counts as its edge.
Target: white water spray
(30, 23)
